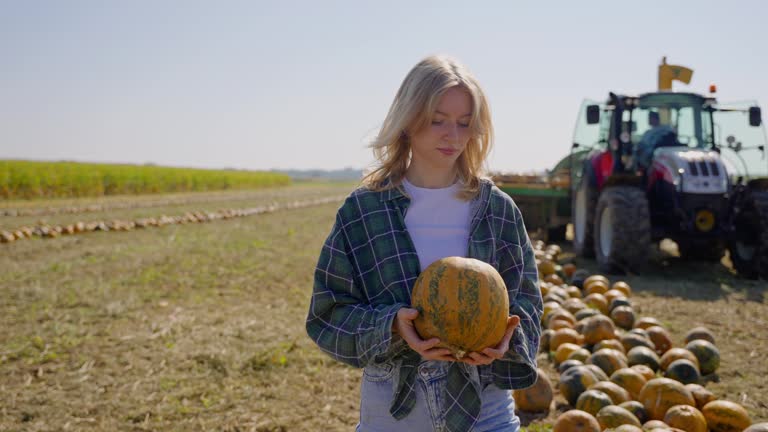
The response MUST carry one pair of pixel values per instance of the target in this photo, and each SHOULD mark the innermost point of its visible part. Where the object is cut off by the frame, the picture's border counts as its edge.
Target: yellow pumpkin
(726, 416)
(576, 421)
(686, 417)
(537, 398)
(660, 394)
(463, 302)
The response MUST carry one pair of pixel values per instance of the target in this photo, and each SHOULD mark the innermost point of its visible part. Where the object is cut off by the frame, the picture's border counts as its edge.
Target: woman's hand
(403, 326)
(490, 354)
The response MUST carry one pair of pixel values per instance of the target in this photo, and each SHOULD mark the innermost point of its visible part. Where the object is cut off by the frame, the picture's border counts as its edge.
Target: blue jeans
(497, 412)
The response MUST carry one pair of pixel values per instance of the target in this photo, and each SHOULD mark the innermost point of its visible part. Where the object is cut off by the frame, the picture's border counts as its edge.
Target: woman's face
(441, 142)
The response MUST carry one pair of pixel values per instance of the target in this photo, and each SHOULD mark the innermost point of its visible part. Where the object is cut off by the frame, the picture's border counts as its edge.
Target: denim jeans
(497, 412)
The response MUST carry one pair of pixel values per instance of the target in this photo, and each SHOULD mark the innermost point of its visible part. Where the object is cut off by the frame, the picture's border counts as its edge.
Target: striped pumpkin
(463, 302)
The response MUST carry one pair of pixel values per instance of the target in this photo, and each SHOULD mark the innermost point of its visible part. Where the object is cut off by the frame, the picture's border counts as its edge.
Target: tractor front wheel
(622, 229)
(749, 246)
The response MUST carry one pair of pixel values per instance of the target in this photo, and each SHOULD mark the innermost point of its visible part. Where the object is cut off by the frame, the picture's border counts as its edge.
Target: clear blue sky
(289, 84)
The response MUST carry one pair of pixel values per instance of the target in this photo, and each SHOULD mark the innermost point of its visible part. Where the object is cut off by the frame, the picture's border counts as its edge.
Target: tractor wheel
(622, 229)
(583, 206)
(749, 247)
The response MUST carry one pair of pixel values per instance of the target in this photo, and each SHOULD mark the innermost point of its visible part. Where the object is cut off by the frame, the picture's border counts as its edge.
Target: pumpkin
(581, 355)
(630, 380)
(616, 393)
(609, 360)
(596, 277)
(623, 316)
(573, 304)
(463, 302)
(592, 401)
(618, 301)
(655, 424)
(597, 301)
(643, 355)
(630, 340)
(660, 394)
(701, 395)
(557, 324)
(595, 287)
(613, 294)
(554, 279)
(700, 333)
(573, 291)
(569, 269)
(635, 408)
(546, 336)
(564, 366)
(757, 427)
(597, 328)
(686, 417)
(726, 416)
(627, 428)
(546, 267)
(661, 339)
(645, 371)
(623, 287)
(544, 288)
(585, 313)
(564, 350)
(548, 308)
(646, 322)
(677, 354)
(683, 370)
(537, 398)
(576, 421)
(707, 354)
(614, 416)
(609, 343)
(564, 335)
(574, 381)
(560, 314)
(599, 373)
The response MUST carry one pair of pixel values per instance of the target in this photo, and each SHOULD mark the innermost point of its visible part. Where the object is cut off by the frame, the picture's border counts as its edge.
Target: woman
(426, 200)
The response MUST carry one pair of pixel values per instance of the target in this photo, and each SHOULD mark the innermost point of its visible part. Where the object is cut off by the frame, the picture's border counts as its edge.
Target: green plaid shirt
(365, 273)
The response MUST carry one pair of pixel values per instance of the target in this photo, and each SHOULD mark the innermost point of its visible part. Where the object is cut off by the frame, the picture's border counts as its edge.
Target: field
(32, 179)
(201, 326)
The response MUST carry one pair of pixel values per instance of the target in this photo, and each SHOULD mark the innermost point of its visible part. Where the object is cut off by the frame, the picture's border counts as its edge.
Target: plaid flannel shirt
(365, 273)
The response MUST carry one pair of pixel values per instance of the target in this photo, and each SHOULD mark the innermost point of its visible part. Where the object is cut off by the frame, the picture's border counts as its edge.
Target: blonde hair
(414, 105)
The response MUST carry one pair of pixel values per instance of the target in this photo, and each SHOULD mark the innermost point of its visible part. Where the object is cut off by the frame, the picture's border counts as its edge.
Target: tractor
(669, 165)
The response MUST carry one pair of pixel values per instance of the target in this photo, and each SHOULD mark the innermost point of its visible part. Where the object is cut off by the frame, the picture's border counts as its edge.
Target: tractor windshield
(687, 117)
(741, 145)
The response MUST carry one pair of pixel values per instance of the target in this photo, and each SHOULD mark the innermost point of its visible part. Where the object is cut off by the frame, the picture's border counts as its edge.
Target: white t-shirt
(437, 222)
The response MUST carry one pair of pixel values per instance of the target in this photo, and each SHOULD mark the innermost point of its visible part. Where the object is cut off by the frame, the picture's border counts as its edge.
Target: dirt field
(201, 327)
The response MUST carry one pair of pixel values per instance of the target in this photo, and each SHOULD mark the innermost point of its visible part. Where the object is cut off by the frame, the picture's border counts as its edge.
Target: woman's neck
(430, 179)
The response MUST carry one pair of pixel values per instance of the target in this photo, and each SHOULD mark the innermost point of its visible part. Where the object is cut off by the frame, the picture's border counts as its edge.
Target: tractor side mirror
(593, 114)
(755, 116)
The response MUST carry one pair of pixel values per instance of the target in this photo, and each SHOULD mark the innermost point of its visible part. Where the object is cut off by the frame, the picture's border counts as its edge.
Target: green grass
(30, 179)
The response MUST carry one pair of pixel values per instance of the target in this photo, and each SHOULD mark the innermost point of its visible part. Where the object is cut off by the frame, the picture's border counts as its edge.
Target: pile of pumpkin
(619, 371)
(45, 230)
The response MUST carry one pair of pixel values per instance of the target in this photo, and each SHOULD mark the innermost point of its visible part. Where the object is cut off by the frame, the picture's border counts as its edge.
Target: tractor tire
(622, 229)
(583, 203)
(749, 247)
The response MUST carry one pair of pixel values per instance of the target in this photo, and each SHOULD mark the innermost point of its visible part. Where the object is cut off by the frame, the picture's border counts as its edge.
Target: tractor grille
(705, 168)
